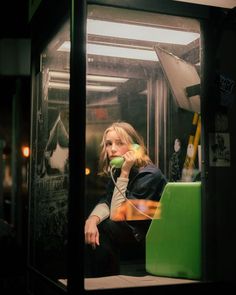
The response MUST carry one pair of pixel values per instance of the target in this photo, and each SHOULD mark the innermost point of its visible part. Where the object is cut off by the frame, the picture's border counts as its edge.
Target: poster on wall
(219, 149)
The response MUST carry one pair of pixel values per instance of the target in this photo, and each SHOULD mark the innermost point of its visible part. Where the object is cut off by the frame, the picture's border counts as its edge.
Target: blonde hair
(129, 135)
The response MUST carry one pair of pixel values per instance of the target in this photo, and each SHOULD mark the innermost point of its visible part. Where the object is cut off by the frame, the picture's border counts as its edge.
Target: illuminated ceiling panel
(217, 3)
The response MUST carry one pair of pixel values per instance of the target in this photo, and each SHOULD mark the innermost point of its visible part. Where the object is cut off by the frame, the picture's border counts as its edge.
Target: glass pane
(49, 163)
(143, 69)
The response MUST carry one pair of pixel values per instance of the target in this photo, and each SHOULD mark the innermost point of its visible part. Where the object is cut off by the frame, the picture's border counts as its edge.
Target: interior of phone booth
(144, 68)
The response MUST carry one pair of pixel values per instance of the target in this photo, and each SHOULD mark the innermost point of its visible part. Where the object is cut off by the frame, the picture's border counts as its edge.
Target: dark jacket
(144, 183)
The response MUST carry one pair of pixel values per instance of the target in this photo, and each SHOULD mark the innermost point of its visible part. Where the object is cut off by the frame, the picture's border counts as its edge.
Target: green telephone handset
(117, 162)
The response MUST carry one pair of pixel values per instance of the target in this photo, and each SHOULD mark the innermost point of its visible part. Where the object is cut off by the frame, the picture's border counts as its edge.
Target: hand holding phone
(117, 162)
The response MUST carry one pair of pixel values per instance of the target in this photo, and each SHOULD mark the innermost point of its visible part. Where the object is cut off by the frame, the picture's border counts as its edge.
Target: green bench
(173, 240)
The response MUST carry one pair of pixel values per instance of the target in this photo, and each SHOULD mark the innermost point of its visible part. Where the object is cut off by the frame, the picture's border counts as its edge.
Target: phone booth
(151, 64)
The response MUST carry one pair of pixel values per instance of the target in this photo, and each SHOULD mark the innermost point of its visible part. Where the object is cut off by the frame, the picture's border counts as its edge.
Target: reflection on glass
(134, 68)
(49, 165)
(137, 210)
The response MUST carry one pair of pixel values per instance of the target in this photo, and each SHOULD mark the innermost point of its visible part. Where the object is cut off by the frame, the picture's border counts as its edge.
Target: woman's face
(115, 147)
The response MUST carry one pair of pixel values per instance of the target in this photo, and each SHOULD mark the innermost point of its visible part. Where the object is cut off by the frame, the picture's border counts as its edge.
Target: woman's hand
(130, 159)
(91, 231)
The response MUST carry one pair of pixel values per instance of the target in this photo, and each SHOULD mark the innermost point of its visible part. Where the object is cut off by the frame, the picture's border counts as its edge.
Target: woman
(106, 230)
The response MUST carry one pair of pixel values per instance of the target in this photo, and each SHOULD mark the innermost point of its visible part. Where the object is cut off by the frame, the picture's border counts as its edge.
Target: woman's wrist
(94, 218)
(125, 173)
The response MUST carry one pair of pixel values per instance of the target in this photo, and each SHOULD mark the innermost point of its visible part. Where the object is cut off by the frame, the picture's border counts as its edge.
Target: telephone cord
(112, 177)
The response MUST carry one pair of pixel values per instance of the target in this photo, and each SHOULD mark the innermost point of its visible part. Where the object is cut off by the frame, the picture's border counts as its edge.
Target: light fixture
(115, 51)
(66, 86)
(106, 79)
(131, 32)
(56, 75)
(65, 76)
(58, 85)
(216, 3)
(100, 88)
(87, 171)
(139, 32)
(122, 52)
(25, 151)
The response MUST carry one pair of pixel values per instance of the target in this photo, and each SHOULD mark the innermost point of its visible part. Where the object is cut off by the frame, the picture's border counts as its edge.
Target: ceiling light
(54, 75)
(138, 32)
(95, 88)
(100, 88)
(66, 76)
(122, 52)
(106, 79)
(115, 51)
(58, 85)
(216, 3)
(59, 75)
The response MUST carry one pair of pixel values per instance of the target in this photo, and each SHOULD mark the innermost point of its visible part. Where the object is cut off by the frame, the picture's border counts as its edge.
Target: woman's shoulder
(152, 169)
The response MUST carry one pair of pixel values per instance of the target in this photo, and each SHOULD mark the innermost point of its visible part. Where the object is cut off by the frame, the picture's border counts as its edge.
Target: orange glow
(87, 171)
(137, 210)
(25, 151)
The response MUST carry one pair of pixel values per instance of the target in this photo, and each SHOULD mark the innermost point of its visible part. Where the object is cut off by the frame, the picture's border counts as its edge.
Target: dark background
(14, 24)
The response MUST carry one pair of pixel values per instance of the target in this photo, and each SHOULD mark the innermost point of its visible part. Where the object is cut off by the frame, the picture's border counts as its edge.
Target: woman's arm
(118, 198)
(99, 213)
(102, 211)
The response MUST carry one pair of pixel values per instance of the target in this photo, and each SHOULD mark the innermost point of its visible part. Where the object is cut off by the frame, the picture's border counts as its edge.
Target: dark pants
(117, 240)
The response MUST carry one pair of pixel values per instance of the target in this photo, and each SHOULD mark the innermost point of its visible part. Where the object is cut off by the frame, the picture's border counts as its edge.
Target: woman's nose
(113, 147)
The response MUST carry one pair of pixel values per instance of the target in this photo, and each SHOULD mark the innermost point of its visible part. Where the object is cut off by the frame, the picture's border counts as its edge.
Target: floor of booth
(127, 281)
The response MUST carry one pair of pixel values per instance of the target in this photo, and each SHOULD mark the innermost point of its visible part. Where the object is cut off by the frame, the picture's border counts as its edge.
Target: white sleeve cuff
(102, 211)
